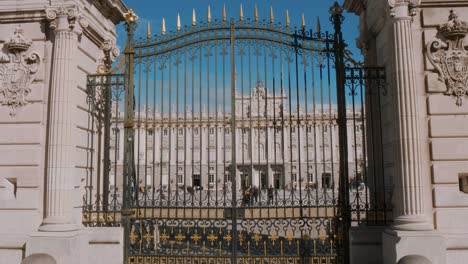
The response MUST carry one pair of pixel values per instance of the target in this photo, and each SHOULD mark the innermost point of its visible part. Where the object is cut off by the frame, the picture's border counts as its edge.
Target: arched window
(278, 151)
(245, 151)
(262, 151)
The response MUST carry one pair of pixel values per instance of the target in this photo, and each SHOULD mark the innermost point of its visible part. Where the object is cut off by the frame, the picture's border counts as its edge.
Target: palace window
(165, 132)
(181, 131)
(294, 177)
(195, 131)
(211, 131)
(180, 179)
(211, 179)
(310, 177)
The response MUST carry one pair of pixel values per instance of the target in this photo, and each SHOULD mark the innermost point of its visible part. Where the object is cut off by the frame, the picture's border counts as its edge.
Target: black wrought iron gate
(234, 146)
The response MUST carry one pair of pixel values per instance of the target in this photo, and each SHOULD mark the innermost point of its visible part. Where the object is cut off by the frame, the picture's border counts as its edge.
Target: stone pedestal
(366, 244)
(398, 244)
(63, 247)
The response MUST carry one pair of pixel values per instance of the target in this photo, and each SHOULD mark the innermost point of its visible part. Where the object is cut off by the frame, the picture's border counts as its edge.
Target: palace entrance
(234, 144)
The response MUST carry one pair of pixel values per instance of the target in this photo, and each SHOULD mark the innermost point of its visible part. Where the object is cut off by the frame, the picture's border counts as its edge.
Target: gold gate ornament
(449, 56)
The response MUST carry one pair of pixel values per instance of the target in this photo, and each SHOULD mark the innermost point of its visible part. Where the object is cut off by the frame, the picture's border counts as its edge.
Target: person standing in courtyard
(255, 194)
(270, 194)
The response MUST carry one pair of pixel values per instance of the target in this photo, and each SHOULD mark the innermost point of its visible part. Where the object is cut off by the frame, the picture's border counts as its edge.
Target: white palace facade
(195, 148)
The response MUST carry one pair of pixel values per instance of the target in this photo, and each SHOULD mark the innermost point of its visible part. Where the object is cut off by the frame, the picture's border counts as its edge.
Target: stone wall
(443, 139)
(447, 125)
(24, 125)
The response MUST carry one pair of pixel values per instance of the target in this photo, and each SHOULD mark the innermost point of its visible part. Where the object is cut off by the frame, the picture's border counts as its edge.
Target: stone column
(67, 25)
(408, 195)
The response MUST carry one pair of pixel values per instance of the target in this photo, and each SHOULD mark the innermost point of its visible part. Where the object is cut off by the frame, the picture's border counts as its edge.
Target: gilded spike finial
(163, 27)
(194, 18)
(303, 22)
(319, 29)
(208, 15)
(148, 30)
(272, 16)
(241, 13)
(130, 16)
(178, 22)
(224, 13)
(256, 13)
(288, 21)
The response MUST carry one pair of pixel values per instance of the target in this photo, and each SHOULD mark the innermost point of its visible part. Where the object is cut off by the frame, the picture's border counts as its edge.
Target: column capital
(403, 9)
(111, 52)
(66, 18)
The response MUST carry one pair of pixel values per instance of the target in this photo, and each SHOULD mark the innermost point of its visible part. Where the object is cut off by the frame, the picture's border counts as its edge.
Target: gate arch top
(220, 30)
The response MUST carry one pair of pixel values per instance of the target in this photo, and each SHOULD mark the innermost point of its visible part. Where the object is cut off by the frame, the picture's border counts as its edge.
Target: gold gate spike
(208, 15)
(272, 16)
(255, 13)
(194, 18)
(178, 22)
(163, 27)
(288, 22)
(241, 13)
(148, 30)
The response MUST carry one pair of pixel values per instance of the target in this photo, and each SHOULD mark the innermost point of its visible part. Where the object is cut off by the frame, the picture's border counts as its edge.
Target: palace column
(409, 208)
(67, 25)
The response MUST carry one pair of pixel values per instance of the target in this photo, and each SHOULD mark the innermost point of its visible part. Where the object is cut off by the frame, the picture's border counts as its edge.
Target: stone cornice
(98, 30)
(443, 3)
(355, 6)
(112, 9)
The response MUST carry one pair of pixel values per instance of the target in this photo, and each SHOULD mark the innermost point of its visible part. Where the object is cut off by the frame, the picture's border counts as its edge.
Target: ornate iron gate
(234, 146)
(212, 102)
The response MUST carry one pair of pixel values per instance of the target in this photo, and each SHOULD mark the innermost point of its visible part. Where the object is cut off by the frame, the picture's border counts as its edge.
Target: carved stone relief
(17, 71)
(449, 56)
(111, 52)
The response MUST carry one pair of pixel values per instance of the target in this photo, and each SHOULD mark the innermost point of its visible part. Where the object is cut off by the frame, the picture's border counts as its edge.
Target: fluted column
(67, 26)
(409, 207)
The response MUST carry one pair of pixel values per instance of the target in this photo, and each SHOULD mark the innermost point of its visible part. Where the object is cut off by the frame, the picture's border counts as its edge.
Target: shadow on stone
(414, 259)
(39, 259)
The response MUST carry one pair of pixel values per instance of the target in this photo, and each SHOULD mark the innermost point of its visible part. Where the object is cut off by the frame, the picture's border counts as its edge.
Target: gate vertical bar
(337, 18)
(107, 139)
(233, 143)
(128, 166)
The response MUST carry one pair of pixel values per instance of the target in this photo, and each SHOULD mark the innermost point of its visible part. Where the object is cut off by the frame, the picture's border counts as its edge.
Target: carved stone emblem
(111, 52)
(17, 71)
(450, 57)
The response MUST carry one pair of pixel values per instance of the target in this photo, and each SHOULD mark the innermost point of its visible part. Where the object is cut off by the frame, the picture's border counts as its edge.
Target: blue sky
(153, 11)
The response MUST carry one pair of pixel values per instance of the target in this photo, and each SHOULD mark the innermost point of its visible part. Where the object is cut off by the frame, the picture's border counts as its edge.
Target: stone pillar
(67, 25)
(409, 207)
